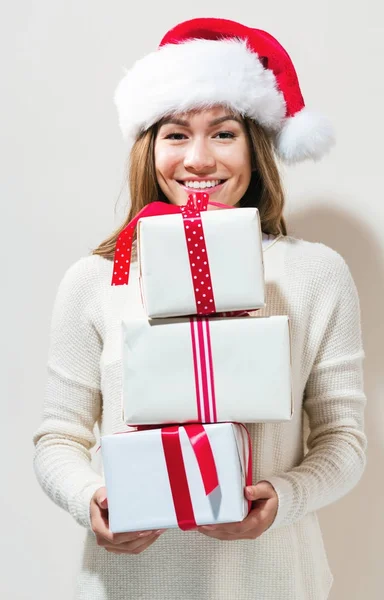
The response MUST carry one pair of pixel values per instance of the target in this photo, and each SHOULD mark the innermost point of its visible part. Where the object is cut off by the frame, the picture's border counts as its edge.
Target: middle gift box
(206, 370)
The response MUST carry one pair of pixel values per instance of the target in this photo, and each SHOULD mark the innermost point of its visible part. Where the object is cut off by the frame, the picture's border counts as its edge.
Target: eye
(226, 135)
(174, 136)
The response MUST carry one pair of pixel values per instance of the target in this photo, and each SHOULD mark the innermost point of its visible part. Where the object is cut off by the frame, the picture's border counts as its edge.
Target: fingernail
(159, 531)
(144, 533)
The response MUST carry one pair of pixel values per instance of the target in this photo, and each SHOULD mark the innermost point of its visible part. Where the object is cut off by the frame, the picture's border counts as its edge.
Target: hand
(117, 543)
(259, 519)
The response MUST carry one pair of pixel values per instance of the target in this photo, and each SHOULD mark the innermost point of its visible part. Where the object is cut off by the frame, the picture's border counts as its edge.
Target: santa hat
(205, 62)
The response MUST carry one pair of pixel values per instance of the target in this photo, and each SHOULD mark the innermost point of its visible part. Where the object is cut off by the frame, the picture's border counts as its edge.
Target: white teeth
(201, 184)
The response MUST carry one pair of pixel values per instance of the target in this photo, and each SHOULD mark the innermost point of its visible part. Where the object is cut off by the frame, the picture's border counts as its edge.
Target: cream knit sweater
(312, 284)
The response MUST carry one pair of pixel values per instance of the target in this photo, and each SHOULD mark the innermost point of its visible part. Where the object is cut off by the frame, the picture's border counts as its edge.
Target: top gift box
(193, 260)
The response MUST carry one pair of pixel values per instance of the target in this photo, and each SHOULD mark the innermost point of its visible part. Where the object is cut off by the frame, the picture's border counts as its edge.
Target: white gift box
(234, 249)
(206, 370)
(138, 482)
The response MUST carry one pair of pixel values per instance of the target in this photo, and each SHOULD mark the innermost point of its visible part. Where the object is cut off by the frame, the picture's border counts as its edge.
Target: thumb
(261, 491)
(101, 498)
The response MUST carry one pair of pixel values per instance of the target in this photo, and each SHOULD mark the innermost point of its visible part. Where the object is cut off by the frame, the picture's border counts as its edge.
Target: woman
(208, 110)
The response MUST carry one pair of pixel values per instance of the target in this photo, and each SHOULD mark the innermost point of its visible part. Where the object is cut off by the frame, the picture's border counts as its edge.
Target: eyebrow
(183, 123)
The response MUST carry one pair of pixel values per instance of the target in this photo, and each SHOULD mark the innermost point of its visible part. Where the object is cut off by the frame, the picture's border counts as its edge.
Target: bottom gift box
(178, 476)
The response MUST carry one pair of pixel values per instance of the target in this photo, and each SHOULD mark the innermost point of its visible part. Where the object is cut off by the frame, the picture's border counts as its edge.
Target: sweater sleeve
(72, 405)
(334, 401)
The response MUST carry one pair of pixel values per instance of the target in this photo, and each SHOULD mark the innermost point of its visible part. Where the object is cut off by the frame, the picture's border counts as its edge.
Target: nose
(199, 157)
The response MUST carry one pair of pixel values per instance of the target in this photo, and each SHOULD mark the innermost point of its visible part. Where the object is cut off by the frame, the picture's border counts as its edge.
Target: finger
(105, 536)
(264, 513)
(246, 534)
(221, 535)
(261, 491)
(134, 547)
(260, 518)
(237, 528)
(225, 528)
(99, 521)
(256, 522)
(101, 498)
(123, 538)
(252, 526)
(116, 539)
(138, 543)
(251, 521)
(103, 503)
(268, 514)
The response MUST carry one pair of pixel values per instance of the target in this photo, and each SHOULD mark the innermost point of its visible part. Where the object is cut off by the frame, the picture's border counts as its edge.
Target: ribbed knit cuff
(80, 506)
(286, 498)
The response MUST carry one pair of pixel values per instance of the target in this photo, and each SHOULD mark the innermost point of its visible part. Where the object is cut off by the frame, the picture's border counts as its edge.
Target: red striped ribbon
(203, 370)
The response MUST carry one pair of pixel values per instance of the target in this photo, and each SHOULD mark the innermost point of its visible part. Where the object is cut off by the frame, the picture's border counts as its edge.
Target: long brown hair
(265, 190)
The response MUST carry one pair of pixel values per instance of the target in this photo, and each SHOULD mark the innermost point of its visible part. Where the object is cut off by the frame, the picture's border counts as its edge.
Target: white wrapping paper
(172, 372)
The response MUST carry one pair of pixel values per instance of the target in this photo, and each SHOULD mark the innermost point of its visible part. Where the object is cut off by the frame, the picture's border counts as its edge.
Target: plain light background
(62, 170)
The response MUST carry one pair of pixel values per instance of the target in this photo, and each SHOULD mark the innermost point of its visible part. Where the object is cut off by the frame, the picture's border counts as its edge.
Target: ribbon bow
(198, 202)
(178, 480)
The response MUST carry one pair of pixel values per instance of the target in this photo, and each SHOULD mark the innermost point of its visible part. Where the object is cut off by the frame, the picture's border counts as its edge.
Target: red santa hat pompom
(206, 62)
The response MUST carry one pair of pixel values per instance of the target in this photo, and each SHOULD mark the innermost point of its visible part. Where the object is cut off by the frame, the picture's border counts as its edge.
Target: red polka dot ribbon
(197, 253)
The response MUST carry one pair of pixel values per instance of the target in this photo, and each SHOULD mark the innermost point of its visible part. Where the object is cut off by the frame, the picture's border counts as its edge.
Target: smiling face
(203, 150)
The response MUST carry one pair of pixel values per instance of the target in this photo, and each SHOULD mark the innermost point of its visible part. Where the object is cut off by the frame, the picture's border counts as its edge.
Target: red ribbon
(176, 469)
(178, 480)
(194, 236)
(203, 370)
(248, 477)
(123, 250)
(197, 254)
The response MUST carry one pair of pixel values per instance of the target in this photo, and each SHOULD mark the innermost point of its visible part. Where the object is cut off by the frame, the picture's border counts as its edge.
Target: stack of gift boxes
(195, 369)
